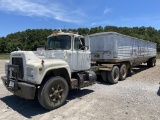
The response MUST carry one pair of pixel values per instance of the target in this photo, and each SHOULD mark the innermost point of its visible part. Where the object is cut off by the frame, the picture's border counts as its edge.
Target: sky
(19, 15)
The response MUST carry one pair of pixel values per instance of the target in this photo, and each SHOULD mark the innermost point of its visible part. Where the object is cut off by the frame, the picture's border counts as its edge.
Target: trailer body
(115, 47)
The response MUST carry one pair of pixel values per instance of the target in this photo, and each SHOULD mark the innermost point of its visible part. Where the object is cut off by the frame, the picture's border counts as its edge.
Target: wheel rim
(56, 93)
(116, 73)
(123, 71)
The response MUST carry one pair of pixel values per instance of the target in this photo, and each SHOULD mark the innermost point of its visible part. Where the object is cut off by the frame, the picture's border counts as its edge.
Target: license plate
(11, 84)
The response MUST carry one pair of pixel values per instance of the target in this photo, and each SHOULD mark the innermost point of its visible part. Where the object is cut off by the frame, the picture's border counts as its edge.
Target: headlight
(30, 71)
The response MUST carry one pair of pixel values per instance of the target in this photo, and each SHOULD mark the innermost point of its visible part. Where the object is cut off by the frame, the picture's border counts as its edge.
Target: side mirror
(87, 42)
(41, 50)
(81, 47)
(86, 47)
(41, 46)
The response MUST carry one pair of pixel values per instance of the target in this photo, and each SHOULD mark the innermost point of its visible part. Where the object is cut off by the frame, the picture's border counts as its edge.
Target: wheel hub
(123, 71)
(116, 74)
(56, 93)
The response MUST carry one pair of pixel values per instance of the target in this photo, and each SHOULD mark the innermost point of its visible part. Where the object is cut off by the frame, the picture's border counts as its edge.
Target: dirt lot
(136, 98)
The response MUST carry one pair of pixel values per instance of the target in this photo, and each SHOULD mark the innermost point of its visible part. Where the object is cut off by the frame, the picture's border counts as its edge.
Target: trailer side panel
(112, 46)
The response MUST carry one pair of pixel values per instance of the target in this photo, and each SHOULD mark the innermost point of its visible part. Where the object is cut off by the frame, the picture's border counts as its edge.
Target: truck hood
(32, 60)
(38, 56)
(55, 54)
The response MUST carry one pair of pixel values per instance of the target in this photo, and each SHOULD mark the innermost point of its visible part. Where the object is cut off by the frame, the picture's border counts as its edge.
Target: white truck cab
(50, 73)
(71, 48)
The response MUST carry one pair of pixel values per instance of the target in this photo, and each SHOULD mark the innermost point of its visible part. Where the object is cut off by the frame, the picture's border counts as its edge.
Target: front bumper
(20, 89)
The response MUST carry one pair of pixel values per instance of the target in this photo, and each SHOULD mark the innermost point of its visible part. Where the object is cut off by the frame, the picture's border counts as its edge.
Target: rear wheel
(53, 93)
(113, 76)
(148, 63)
(123, 72)
(104, 75)
(151, 62)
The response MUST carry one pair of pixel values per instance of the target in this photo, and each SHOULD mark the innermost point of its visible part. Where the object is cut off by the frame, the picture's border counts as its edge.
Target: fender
(52, 65)
(47, 66)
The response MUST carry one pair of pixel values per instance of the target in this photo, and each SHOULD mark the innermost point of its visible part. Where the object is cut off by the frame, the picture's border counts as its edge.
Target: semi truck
(72, 61)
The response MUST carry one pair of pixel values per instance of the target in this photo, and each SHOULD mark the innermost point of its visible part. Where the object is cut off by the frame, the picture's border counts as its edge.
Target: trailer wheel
(104, 75)
(123, 72)
(113, 76)
(148, 63)
(151, 62)
(53, 93)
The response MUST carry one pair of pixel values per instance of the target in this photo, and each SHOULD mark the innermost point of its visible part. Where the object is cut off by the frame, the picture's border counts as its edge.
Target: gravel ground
(136, 98)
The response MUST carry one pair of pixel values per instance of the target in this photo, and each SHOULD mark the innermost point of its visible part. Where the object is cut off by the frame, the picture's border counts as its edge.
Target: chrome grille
(19, 62)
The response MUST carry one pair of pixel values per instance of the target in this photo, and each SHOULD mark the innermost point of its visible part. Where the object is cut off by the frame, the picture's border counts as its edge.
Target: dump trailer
(113, 55)
(71, 61)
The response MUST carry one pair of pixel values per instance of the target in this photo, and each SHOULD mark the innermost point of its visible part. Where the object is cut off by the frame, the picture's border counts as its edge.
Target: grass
(158, 56)
(4, 56)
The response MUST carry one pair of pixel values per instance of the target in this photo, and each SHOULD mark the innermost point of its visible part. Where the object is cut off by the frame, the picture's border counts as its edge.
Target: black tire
(92, 76)
(104, 75)
(123, 72)
(151, 62)
(113, 76)
(53, 93)
(148, 63)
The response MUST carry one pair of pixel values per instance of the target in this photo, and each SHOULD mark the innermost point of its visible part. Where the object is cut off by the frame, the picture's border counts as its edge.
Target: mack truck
(72, 61)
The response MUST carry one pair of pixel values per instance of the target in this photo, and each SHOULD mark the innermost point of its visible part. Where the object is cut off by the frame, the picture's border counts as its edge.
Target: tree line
(31, 38)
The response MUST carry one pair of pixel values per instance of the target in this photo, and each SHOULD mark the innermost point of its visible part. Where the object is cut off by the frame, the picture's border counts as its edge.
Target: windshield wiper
(58, 49)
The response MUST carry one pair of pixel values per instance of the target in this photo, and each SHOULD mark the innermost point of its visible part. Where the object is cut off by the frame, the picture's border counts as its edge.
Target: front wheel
(53, 93)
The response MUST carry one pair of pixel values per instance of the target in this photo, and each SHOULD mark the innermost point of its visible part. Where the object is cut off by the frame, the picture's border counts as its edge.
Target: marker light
(42, 62)
(40, 69)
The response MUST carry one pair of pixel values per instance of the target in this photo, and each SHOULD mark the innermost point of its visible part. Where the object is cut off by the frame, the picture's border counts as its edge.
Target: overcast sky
(19, 15)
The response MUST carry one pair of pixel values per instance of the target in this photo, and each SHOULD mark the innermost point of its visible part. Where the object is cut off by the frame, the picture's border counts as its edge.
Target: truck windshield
(61, 42)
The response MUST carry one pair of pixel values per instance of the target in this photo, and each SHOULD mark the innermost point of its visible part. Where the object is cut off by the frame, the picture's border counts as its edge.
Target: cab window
(77, 44)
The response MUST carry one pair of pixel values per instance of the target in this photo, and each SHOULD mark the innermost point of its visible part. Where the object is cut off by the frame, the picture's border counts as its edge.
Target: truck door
(81, 56)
